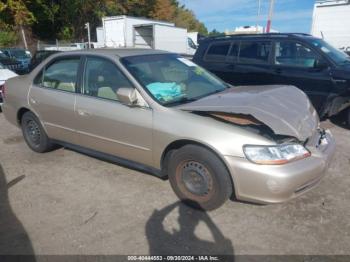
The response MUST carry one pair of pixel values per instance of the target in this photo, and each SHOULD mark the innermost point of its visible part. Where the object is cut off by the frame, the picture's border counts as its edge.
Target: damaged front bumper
(279, 183)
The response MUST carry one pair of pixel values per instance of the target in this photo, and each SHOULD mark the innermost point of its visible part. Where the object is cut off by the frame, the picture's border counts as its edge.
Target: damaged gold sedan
(164, 114)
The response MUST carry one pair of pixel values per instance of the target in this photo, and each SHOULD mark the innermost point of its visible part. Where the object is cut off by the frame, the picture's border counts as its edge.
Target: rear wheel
(34, 134)
(199, 178)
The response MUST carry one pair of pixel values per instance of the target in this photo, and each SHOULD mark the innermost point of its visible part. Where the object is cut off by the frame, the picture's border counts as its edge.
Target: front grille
(13, 66)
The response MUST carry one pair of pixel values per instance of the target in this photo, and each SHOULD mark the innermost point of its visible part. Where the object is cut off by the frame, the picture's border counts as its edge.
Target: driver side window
(102, 79)
(288, 53)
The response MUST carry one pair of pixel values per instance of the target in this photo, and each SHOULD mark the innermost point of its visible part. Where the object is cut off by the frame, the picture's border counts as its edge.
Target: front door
(296, 64)
(104, 123)
(52, 98)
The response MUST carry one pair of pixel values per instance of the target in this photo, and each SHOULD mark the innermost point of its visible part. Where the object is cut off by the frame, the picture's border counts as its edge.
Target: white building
(331, 21)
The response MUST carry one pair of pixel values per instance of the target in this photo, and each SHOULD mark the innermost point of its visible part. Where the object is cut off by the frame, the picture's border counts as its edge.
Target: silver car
(162, 112)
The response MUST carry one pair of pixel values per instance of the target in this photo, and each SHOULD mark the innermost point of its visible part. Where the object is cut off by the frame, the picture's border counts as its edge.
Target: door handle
(83, 113)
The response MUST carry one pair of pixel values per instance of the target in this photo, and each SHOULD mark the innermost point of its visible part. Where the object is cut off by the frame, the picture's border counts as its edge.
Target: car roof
(13, 48)
(121, 52)
(262, 36)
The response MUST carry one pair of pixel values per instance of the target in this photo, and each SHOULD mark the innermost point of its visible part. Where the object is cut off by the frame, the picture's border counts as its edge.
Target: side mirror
(320, 64)
(127, 95)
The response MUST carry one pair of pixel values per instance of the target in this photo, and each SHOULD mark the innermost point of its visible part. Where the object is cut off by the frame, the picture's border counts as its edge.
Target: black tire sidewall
(45, 143)
(222, 183)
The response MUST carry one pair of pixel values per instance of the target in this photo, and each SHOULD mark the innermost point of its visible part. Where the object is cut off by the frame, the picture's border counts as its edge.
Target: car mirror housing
(127, 95)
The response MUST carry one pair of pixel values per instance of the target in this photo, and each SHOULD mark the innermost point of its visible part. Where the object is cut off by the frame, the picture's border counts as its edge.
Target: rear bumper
(280, 183)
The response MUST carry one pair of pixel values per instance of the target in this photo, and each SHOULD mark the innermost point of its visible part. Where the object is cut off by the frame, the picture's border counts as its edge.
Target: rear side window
(38, 80)
(234, 51)
(62, 74)
(256, 52)
(218, 51)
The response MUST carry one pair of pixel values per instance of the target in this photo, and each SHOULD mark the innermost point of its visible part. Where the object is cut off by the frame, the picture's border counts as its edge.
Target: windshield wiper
(180, 101)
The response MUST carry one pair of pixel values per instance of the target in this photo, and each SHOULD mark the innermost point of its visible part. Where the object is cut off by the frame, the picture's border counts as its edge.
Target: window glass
(191, 43)
(234, 50)
(254, 52)
(335, 54)
(218, 51)
(62, 74)
(171, 79)
(103, 78)
(294, 54)
(39, 78)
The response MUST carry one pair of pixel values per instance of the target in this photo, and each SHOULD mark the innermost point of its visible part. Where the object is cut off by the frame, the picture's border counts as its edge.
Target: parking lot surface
(64, 202)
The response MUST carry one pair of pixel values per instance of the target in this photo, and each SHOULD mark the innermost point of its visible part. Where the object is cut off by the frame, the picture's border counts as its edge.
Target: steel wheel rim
(194, 180)
(33, 132)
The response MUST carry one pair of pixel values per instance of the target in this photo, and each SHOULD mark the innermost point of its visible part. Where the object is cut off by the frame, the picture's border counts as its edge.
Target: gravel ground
(65, 202)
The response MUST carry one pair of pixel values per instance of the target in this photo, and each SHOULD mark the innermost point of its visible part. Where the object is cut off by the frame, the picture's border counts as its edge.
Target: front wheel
(34, 134)
(199, 178)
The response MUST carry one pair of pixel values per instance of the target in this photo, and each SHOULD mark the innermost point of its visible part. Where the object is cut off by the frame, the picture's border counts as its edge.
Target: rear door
(52, 97)
(104, 123)
(251, 63)
(215, 60)
(296, 64)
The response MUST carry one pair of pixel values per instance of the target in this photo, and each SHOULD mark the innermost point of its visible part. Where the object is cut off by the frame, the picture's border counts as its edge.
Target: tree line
(65, 19)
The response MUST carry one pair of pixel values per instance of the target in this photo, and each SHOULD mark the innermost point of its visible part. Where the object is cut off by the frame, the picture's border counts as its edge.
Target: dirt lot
(64, 202)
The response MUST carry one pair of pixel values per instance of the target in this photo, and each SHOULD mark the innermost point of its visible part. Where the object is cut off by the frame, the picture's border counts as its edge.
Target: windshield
(171, 79)
(2, 55)
(335, 54)
(20, 54)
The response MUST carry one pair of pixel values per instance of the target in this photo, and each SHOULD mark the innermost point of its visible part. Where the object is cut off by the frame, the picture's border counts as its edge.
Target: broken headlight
(276, 154)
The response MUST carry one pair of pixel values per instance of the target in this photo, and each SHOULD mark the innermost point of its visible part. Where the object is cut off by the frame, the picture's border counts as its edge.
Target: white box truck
(127, 31)
(331, 21)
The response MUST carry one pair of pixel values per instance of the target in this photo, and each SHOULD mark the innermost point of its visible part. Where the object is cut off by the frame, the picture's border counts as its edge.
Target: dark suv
(309, 63)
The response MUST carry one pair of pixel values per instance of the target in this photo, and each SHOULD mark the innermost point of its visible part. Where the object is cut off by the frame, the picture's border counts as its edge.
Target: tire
(34, 134)
(347, 115)
(199, 178)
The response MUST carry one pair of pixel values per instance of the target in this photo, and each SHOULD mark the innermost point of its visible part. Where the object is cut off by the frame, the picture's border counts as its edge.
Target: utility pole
(87, 26)
(258, 15)
(269, 20)
(24, 37)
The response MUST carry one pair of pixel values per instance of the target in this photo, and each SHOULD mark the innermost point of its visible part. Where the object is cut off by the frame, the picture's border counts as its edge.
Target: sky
(289, 15)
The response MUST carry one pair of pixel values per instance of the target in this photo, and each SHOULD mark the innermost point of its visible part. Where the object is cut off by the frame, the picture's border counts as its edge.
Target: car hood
(8, 61)
(6, 74)
(285, 109)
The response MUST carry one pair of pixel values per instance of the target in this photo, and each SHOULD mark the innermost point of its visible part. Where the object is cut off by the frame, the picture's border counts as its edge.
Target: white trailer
(118, 30)
(127, 31)
(331, 21)
(194, 37)
(161, 37)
